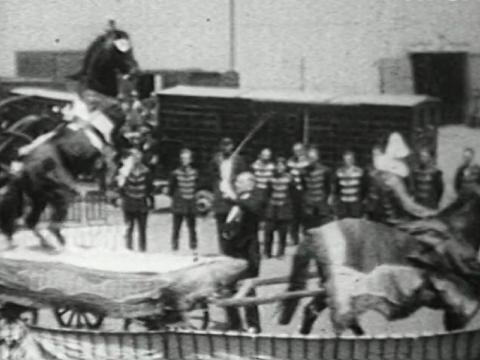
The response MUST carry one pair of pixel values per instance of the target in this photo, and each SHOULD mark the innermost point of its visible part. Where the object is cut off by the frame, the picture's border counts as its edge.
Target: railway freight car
(199, 116)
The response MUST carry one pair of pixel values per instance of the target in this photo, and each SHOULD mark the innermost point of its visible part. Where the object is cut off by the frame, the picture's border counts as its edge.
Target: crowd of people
(295, 193)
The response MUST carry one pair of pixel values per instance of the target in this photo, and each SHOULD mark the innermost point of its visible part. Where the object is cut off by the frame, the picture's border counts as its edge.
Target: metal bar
(249, 301)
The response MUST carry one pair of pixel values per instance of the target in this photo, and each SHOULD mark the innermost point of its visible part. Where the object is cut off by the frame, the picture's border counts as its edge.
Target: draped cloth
(116, 284)
(366, 265)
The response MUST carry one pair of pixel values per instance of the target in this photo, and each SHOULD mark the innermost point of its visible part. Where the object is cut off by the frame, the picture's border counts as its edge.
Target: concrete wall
(348, 45)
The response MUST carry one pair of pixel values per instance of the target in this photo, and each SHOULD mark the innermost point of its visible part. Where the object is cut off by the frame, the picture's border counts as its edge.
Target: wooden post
(305, 112)
(232, 34)
(261, 300)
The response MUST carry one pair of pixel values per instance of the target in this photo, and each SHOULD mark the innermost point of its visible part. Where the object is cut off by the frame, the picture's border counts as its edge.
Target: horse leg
(356, 328)
(38, 206)
(311, 313)
(297, 281)
(60, 205)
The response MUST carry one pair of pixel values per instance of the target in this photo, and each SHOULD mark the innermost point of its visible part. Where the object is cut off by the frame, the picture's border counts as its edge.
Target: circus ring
(69, 342)
(104, 338)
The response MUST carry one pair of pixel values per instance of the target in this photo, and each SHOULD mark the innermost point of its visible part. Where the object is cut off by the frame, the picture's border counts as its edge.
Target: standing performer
(279, 211)
(220, 161)
(349, 188)
(297, 165)
(182, 188)
(316, 182)
(427, 181)
(240, 235)
(135, 183)
(467, 174)
(263, 169)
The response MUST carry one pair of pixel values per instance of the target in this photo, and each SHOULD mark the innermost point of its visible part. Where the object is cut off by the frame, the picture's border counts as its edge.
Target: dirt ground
(452, 140)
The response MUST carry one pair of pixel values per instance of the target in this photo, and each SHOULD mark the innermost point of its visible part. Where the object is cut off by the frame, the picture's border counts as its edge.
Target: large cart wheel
(73, 317)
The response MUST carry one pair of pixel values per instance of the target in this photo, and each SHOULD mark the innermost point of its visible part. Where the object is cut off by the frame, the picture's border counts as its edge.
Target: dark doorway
(443, 75)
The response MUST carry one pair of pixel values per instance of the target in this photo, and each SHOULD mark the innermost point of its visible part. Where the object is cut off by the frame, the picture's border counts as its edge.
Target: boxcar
(199, 116)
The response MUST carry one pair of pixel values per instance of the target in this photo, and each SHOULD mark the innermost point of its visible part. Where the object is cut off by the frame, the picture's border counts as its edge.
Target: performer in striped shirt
(296, 166)
(183, 185)
(263, 169)
(316, 182)
(279, 211)
(136, 190)
(349, 188)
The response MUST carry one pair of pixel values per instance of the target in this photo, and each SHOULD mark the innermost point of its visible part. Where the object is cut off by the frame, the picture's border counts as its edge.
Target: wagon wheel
(73, 317)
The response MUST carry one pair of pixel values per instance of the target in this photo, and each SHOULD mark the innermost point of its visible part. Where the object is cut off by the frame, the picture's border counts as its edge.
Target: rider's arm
(408, 203)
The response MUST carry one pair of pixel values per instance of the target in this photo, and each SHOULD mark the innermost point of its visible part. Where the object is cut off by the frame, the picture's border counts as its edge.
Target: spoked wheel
(72, 317)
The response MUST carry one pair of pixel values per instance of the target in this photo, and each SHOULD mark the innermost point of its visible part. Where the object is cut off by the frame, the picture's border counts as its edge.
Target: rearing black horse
(107, 56)
(50, 164)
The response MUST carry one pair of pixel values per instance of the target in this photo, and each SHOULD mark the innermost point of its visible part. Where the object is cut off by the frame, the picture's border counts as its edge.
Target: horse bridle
(18, 134)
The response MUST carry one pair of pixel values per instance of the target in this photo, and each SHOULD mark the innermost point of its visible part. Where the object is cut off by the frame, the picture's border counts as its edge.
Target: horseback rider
(389, 181)
(91, 131)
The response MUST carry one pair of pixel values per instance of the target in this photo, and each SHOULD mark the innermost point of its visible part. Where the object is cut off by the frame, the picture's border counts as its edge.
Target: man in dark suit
(240, 234)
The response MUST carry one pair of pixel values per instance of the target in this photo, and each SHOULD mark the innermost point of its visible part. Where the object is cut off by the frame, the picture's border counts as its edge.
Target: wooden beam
(261, 300)
(256, 282)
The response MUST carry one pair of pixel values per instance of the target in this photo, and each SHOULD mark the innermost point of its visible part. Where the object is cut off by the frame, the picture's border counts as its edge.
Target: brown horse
(369, 266)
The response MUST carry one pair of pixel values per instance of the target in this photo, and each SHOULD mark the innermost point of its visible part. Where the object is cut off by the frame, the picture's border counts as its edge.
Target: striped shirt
(137, 188)
(349, 182)
(316, 184)
(263, 172)
(186, 179)
(280, 190)
(296, 168)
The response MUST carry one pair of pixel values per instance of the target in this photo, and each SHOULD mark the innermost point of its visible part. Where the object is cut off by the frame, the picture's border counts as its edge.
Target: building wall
(348, 45)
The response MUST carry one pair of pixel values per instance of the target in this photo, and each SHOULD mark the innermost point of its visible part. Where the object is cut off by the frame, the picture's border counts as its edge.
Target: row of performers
(303, 192)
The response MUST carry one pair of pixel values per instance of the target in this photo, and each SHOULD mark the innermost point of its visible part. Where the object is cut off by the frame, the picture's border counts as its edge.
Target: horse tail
(297, 280)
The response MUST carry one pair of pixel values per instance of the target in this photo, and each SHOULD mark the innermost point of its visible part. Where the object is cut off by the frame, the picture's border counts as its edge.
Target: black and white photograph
(239, 179)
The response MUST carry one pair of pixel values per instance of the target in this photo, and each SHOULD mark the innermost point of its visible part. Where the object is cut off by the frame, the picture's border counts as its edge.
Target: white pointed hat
(396, 147)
